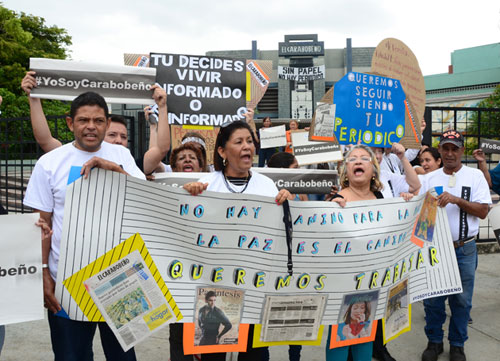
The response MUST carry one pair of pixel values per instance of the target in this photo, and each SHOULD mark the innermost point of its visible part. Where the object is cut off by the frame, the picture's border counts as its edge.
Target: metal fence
(19, 152)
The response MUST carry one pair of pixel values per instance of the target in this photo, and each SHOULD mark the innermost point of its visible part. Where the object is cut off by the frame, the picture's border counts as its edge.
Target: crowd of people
(101, 140)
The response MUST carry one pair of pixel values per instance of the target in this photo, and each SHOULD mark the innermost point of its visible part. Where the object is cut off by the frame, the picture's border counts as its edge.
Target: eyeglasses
(356, 159)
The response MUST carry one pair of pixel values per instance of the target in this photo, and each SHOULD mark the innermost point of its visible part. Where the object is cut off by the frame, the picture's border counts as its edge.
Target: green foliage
(489, 123)
(23, 36)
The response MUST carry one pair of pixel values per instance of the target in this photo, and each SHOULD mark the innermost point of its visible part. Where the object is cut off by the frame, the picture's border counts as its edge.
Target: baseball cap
(453, 137)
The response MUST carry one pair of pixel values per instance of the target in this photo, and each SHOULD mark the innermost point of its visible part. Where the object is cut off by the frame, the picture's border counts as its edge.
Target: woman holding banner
(233, 157)
(360, 180)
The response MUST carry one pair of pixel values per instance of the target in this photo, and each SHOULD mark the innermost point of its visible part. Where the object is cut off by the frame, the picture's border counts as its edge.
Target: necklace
(229, 186)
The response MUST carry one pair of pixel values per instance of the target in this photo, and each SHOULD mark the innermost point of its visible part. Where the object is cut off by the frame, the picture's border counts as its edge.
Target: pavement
(31, 340)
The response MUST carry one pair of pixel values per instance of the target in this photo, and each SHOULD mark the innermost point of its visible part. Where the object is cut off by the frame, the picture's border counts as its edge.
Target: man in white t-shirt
(46, 191)
(465, 196)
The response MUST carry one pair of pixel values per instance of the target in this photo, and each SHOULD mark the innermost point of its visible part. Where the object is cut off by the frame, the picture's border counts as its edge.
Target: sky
(102, 31)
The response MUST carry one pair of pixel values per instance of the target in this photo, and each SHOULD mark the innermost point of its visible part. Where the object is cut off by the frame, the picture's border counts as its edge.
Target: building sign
(301, 74)
(316, 48)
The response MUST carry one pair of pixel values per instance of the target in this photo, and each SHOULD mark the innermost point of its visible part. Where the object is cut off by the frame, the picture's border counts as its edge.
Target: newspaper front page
(292, 318)
(130, 300)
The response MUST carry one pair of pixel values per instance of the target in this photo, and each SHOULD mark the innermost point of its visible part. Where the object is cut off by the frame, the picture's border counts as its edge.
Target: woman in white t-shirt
(233, 158)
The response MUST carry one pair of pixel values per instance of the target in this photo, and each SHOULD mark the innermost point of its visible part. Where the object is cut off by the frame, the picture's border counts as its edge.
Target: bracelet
(45, 265)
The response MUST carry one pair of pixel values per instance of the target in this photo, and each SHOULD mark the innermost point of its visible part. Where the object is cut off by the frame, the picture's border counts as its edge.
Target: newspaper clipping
(130, 300)
(397, 316)
(218, 314)
(292, 318)
(324, 120)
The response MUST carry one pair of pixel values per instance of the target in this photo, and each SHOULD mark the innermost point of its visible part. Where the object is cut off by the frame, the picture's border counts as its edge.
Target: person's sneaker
(457, 353)
(432, 351)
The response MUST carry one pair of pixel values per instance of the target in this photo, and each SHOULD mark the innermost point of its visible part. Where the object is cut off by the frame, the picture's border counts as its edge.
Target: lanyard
(287, 219)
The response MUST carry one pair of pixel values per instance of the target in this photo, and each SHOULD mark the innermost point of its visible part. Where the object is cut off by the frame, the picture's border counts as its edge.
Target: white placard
(312, 152)
(20, 269)
(272, 137)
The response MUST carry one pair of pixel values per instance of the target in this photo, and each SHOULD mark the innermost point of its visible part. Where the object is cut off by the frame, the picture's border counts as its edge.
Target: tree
(488, 124)
(23, 36)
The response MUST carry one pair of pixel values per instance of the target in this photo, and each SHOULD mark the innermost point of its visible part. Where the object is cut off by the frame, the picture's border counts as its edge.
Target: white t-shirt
(391, 163)
(394, 184)
(471, 185)
(47, 186)
(259, 184)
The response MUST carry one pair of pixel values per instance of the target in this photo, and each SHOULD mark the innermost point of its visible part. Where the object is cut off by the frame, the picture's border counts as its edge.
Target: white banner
(313, 152)
(65, 80)
(272, 137)
(301, 74)
(20, 269)
(239, 241)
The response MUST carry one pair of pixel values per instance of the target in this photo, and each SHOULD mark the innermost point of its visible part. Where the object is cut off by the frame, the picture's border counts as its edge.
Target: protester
(360, 180)
(293, 125)
(430, 160)
(187, 158)
(89, 122)
(465, 198)
(395, 184)
(117, 132)
(267, 153)
(233, 156)
(492, 176)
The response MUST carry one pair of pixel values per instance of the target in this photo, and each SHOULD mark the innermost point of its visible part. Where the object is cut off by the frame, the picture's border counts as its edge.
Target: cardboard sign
(311, 152)
(490, 146)
(272, 137)
(210, 135)
(394, 59)
(239, 241)
(65, 80)
(370, 109)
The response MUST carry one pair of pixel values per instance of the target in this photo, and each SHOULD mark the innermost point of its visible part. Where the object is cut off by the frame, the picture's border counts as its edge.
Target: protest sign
(301, 73)
(323, 123)
(394, 59)
(302, 181)
(239, 241)
(397, 319)
(65, 80)
(20, 269)
(209, 136)
(490, 146)
(494, 217)
(311, 152)
(369, 108)
(272, 137)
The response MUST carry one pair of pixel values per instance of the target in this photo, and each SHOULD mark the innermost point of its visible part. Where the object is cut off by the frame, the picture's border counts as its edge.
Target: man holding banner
(89, 121)
(464, 193)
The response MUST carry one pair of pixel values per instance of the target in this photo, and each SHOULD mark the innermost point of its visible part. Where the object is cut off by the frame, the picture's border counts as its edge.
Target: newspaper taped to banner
(239, 241)
(20, 269)
(65, 80)
(296, 181)
(130, 300)
(272, 137)
(312, 152)
(218, 314)
(397, 319)
(292, 318)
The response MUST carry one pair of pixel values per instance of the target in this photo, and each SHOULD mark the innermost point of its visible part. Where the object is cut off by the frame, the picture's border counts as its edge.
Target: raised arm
(410, 174)
(249, 119)
(156, 152)
(39, 123)
(481, 162)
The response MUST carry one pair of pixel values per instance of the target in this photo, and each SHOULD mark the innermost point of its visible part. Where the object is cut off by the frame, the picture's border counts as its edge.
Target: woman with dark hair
(187, 158)
(265, 154)
(233, 157)
(286, 160)
(430, 160)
